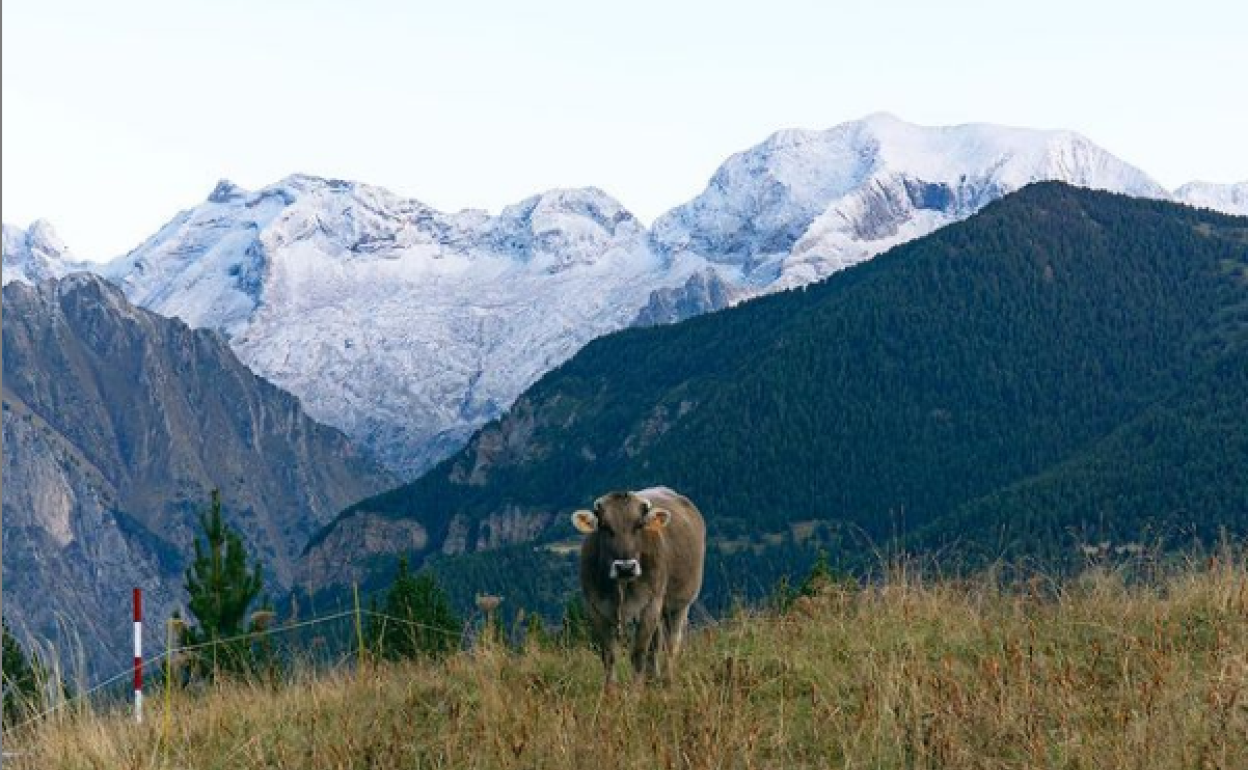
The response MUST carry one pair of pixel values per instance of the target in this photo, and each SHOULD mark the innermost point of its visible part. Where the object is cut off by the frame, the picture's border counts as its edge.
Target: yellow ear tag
(659, 518)
(585, 522)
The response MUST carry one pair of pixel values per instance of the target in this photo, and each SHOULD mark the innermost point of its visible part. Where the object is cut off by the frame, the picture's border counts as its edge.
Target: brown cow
(641, 563)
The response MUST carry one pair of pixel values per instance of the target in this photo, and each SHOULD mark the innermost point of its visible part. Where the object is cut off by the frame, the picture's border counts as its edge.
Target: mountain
(804, 204)
(405, 327)
(1229, 198)
(36, 254)
(408, 328)
(1173, 474)
(1056, 327)
(117, 424)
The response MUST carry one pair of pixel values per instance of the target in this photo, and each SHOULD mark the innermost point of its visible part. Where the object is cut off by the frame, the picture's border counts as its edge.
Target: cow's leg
(674, 623)
(654, 656)
(604, 634)
(643, 643)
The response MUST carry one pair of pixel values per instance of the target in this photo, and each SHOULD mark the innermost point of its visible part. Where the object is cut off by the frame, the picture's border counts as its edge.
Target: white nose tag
(631, 566)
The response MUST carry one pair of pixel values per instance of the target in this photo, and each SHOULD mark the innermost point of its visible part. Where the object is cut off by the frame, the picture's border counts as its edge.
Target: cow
(641, 562)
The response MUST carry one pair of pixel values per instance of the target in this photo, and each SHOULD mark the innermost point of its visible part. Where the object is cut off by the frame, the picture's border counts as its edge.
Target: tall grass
(1095, 672)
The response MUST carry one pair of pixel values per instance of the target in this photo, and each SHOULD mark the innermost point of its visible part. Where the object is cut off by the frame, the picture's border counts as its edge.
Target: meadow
(1107, 669)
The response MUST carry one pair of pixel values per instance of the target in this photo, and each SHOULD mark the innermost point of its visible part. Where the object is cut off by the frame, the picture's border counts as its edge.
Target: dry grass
(1091, 674)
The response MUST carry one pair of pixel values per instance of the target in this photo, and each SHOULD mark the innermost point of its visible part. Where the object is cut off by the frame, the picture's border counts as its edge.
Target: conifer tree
(575, 630)
(535, 634)
(416, 618)
(820, 576)
(222, 590)
(21, 680)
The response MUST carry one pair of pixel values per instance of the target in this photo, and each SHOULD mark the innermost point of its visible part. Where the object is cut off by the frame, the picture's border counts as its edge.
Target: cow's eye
(604, 529)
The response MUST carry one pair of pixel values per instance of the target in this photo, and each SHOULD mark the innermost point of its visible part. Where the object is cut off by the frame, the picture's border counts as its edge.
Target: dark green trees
(222, 590)
(575, 629)
(1065, 360)
(21, 680)
(415, 619)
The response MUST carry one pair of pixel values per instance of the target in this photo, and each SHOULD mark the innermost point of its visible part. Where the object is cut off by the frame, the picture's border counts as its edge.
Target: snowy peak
(36, 254)
(226, 191)
(402, 325)
(205, 265)
(565, 227)
(1014, 157)
(42, 238)
(210, 265)
(803, 204)
(1227, 198)
(549, 209)
(408, 327)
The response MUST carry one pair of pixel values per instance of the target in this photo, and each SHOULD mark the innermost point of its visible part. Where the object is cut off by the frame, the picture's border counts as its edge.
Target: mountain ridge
(118, 423)
(36, 253)
(408, 328)
(403, 326)
(921, 381)
(1227, 198)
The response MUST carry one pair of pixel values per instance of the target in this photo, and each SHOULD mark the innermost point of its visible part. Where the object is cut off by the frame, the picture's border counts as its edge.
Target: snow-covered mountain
(36, 253)
(804, 204)
(408, 327)
(1230, 198)
(403, 326)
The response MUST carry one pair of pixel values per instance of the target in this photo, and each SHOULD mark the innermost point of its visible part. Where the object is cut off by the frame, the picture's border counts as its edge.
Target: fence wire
(153, 661)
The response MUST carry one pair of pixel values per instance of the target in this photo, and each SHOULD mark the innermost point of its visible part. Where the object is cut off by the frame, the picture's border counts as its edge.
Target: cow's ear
(585, 521)
(657, 519)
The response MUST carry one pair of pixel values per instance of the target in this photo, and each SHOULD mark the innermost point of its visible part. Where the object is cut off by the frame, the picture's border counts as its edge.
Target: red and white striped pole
(138, 654)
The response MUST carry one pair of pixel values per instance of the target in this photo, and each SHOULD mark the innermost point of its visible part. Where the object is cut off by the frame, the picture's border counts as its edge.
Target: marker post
(138, 655)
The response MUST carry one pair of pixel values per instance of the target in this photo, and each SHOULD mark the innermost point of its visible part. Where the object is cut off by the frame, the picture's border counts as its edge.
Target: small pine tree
(820, 576)
(575, 631)
(21, 680)
(222, 589)
(416, 618)
(785, 594)
(535, 634)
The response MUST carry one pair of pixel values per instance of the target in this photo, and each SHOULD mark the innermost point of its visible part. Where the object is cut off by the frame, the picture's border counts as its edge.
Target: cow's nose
(625, 569)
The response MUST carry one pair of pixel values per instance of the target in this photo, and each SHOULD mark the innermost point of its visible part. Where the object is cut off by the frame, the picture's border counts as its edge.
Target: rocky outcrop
(345, 556)
(36, 253)
(509, 526)
(350, 554)
(505, 443)
(704, 292)
(70, 560)
(117, 424)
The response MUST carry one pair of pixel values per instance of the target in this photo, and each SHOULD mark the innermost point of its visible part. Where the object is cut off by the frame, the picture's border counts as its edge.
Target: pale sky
(118, 114)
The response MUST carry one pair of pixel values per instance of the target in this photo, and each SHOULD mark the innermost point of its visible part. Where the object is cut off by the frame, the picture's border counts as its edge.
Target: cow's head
(622, 522)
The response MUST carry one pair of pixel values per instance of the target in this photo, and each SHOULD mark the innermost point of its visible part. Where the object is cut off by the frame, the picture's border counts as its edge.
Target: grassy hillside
(1099, 672)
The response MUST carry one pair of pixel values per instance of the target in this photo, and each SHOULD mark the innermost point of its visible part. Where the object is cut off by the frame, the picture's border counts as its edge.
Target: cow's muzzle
(625, 569)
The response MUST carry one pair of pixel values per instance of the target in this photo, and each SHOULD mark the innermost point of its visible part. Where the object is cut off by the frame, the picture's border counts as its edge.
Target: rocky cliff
(117, 424)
